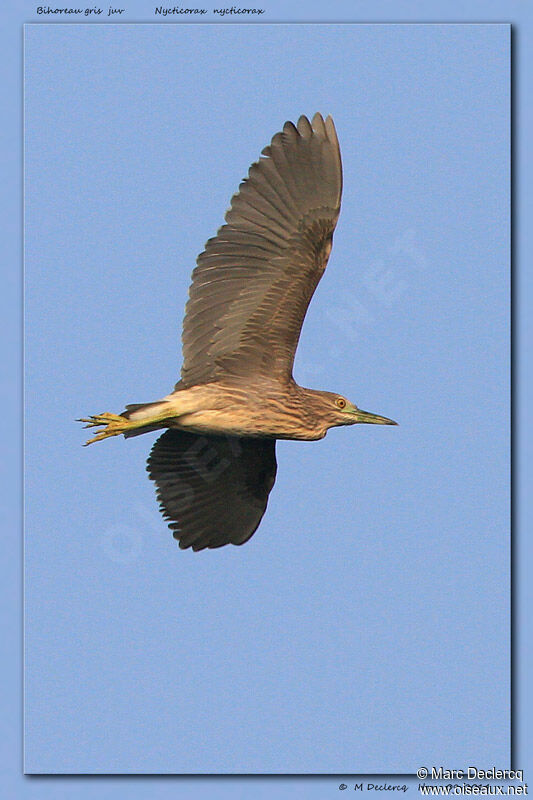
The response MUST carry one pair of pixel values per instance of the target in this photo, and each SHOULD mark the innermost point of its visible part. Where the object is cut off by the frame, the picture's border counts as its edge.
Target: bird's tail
(157, 413)
(136, 411)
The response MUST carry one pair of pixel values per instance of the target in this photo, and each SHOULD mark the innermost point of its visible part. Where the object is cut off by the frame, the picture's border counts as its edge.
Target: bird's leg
(113, 425)
(145, 415)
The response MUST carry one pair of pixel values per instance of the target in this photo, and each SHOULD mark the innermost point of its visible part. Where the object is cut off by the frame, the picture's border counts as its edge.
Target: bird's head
(337, 410)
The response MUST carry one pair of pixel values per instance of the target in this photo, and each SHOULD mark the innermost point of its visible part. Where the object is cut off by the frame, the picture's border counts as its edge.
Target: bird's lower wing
(212, 489)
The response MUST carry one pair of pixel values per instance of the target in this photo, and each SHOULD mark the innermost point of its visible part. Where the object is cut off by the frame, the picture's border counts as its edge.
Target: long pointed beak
(374, 419)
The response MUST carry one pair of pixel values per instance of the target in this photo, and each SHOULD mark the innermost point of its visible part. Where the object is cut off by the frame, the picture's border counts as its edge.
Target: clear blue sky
(366, 624)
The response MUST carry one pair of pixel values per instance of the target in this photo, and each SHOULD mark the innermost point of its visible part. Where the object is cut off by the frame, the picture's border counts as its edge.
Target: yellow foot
(114, 424)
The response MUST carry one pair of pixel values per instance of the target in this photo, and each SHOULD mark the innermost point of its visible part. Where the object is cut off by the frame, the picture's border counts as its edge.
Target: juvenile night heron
(215, 465)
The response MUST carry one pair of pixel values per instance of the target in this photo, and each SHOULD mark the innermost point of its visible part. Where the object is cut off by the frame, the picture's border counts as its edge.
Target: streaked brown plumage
(215, 466)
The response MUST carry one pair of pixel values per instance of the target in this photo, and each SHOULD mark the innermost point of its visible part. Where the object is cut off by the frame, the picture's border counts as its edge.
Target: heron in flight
(215, 464)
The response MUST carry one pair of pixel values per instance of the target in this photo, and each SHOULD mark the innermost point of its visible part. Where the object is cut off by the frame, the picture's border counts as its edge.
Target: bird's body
(265, 410)
(215, 465)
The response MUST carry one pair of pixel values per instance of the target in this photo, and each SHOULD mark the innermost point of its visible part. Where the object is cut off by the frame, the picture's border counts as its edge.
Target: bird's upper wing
(213, 489)
(253, 282)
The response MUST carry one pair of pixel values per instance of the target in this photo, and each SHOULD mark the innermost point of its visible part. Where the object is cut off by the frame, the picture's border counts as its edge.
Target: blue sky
(367, 621)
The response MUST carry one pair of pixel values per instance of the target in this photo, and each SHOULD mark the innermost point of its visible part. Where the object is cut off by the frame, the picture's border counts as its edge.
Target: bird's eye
(340, 402)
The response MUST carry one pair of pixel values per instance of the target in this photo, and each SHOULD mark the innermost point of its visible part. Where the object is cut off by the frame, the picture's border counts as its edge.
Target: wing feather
(254, 281)
(213, 490)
